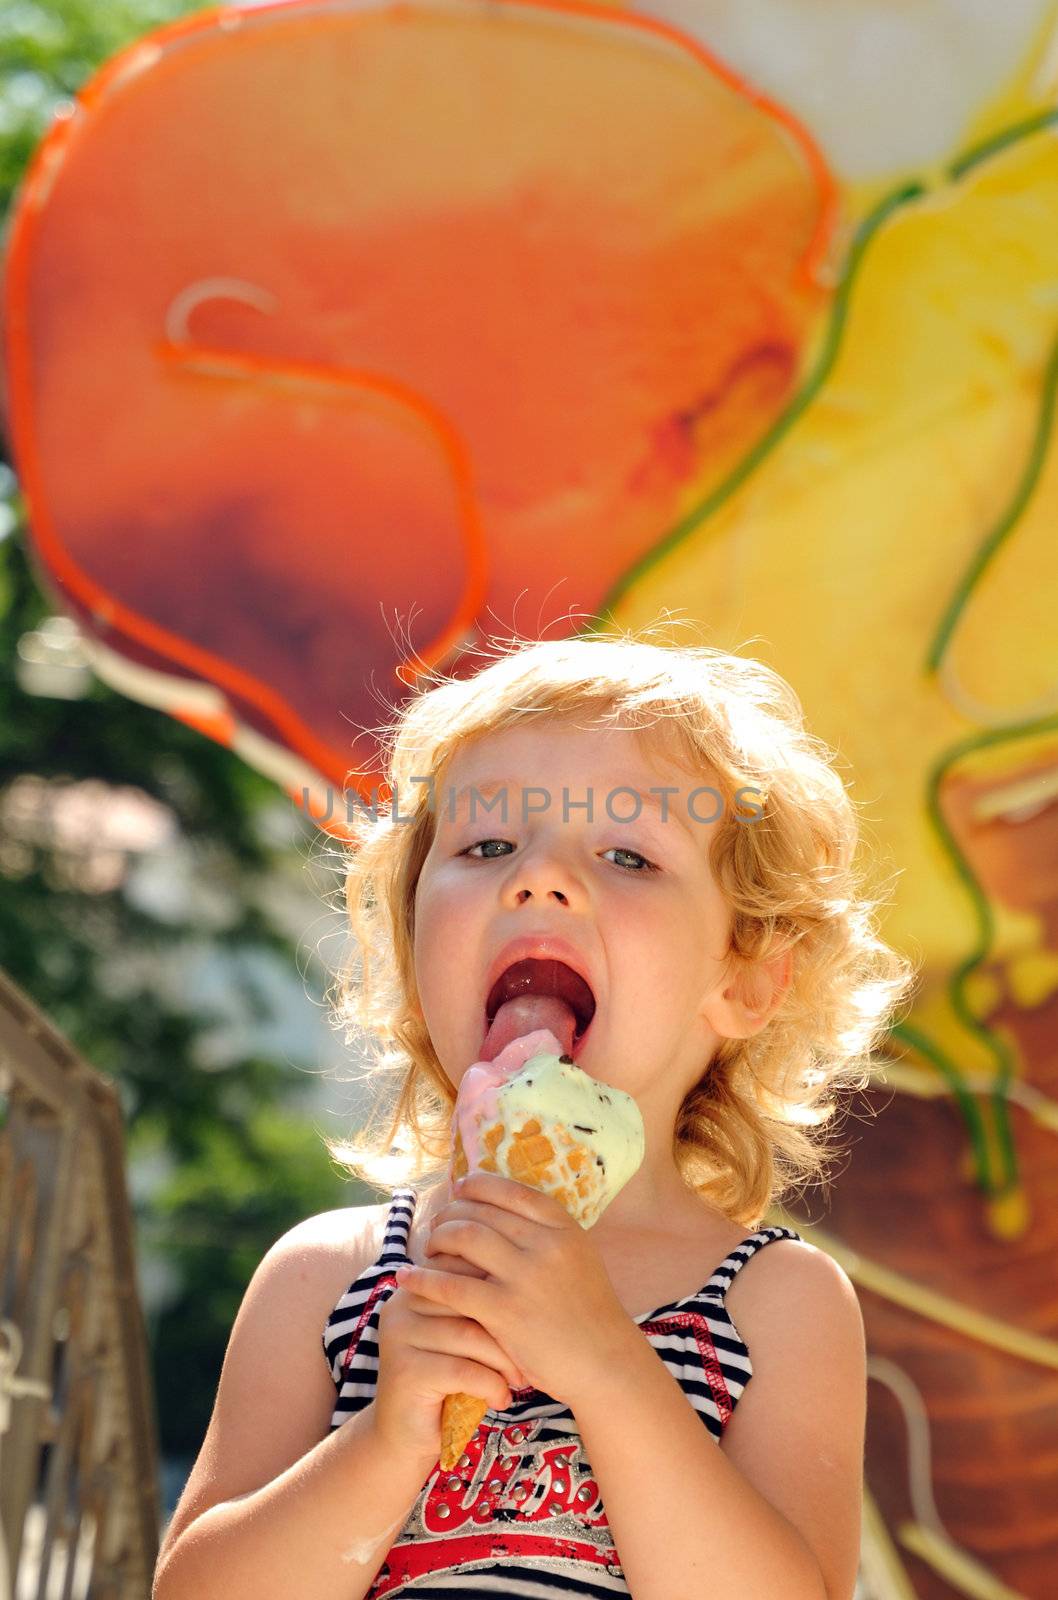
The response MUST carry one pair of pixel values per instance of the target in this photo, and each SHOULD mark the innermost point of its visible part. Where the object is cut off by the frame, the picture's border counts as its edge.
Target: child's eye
(648, 866)
(478, 846)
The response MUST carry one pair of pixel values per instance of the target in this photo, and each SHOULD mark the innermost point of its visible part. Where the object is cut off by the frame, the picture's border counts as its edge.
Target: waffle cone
(460, 1416)
(533, 1160)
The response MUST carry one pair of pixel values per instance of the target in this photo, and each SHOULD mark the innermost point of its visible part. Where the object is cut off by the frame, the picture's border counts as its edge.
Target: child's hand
(547, 1299)
(424, 1353)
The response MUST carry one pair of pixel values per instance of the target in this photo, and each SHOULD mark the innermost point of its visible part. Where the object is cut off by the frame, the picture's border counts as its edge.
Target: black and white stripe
(694, 1336)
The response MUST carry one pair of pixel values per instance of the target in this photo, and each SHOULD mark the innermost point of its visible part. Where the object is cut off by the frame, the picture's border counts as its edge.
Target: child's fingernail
(402, 1273)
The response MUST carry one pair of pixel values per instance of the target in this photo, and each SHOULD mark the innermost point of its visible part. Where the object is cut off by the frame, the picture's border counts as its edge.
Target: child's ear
(749, 997)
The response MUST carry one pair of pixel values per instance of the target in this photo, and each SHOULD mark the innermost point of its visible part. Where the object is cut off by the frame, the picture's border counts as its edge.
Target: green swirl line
(931, 1052)
(1024, 490)
(863, 238)
(959, 977)
(711, 503)
(779, 428)
(1011, 516)
(1000, 141)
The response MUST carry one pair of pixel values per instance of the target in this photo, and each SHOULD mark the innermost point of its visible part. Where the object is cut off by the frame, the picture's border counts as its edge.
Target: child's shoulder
(797, 1433)
(337, 1229)
(783, 1277)
(795, 1303)
(334, 1247)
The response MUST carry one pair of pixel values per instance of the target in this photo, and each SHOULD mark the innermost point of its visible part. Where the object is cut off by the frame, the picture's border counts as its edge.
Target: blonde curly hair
(755, 1124)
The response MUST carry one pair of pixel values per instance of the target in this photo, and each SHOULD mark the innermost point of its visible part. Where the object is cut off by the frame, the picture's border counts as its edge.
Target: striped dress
(521, 1514)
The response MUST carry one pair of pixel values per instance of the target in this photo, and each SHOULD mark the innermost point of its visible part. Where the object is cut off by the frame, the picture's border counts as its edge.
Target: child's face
(652, 943)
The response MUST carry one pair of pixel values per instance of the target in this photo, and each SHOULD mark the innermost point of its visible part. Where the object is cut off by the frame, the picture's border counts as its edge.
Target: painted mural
(341, 337)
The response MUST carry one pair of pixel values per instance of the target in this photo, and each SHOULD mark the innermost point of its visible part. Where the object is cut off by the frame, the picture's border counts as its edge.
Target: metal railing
(79, 1495)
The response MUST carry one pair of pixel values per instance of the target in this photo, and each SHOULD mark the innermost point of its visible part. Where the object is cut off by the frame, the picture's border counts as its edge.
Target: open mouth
(535, 975)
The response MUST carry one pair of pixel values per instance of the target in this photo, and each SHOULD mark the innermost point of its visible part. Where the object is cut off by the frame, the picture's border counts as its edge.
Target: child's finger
(442, 1263)
(464, 1294)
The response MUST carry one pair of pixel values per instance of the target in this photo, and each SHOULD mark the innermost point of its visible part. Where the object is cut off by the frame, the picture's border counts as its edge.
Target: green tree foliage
(246, 1168)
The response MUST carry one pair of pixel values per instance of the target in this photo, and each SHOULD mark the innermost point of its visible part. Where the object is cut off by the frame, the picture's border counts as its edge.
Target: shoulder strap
(734, 1262)
(398, 1226)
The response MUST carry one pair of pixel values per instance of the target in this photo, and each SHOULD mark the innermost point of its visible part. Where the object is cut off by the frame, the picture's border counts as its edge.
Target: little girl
(656, 824)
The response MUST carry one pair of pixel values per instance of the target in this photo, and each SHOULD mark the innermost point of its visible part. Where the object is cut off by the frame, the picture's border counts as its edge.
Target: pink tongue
(526, 1014)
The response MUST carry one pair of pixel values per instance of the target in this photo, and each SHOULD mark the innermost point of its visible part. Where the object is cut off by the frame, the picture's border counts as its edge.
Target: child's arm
(775, 1510)
(324, 1526)
(274, 1507)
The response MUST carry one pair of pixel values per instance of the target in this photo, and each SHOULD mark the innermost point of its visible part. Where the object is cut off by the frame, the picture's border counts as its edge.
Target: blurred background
(741, 311)
(161, 901)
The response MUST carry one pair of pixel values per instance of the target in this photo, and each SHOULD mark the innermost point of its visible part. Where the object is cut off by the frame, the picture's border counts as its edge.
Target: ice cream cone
(549, 1126)
(461, 1416)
